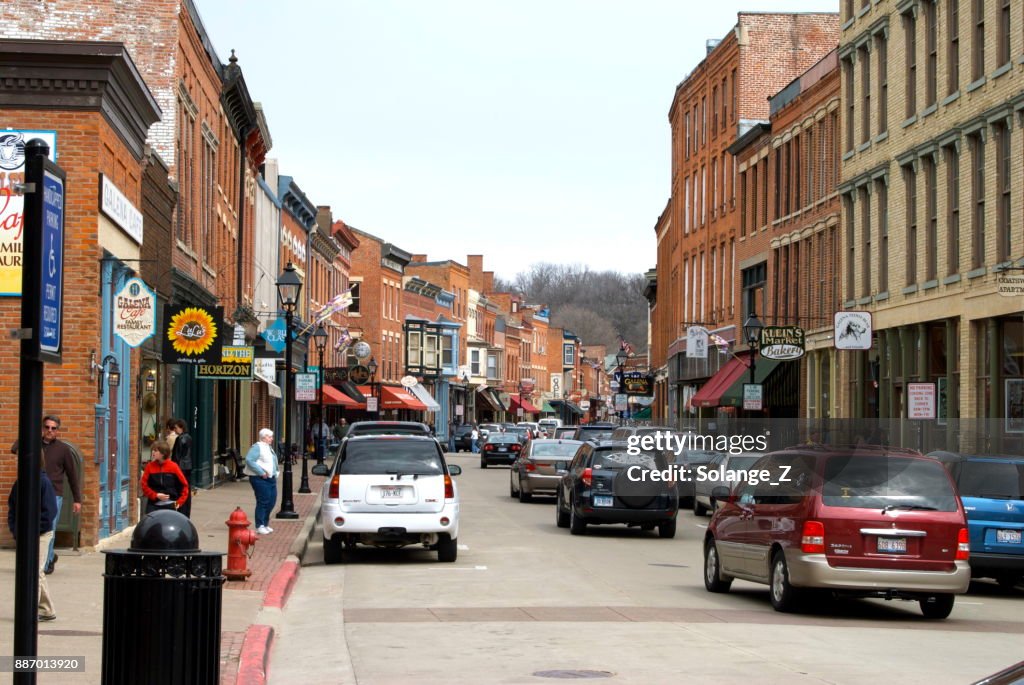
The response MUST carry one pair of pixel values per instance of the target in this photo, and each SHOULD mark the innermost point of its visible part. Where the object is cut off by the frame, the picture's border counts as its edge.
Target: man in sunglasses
(59, 462)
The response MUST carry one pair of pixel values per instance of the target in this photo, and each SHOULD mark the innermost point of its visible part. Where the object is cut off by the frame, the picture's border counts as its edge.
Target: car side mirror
(722, 494)
(454, 469)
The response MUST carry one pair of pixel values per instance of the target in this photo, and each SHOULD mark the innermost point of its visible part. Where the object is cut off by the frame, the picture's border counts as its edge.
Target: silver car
(540, 468)
(717, 473)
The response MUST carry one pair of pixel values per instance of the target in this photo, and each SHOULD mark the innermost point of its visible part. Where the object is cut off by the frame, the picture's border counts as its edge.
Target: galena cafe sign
(782, 342)
(134, 312)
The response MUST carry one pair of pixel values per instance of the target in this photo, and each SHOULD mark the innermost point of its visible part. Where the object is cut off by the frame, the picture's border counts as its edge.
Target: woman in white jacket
(261, 467)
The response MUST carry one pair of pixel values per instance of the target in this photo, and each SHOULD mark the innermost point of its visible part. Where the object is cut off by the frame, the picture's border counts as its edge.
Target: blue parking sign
(51, 282)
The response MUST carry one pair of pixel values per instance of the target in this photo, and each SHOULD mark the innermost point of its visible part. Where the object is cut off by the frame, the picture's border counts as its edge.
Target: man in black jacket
(47, 515)
(181, 454)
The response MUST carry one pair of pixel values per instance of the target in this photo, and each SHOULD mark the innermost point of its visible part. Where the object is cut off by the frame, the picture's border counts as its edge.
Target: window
(910, 33)
(686, 126)
(492, 367)
(1003, 54)
(882, 195)
(725, 108)
(567, 354)
(755, 199)
(931, 46)
(864, 57)
(703, 194)
(1003, 161)
(704, 120)
(978, 43)
(931, 183)
(735, 89)
(354, 307)
(686, 206)
(786, 168)
(447, 356)
(910, 183)
(714, 186)
(474, 362)
(953, 49)
(754, 280)
(850, 103)
(865, 231)
(743, 208)
(952, 160)
(809, 167)
(778, 183)
(714, 109)
(978, 200)
(796, 176)
(851, 248)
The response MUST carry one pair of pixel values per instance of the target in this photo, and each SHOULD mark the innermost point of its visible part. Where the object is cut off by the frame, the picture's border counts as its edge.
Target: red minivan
(865, 521)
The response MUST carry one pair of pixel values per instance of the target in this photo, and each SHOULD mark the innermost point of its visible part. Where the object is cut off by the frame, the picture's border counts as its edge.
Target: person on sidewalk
(47, 515)
(181, 454)
(473, 437)
(261, 467)
(451, 436)
(163, 483)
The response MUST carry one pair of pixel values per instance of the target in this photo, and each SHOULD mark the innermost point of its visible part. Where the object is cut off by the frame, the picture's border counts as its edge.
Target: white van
(549, 425)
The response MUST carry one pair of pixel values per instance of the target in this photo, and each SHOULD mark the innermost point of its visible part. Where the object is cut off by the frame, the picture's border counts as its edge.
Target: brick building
(716, 103)
(932, 183)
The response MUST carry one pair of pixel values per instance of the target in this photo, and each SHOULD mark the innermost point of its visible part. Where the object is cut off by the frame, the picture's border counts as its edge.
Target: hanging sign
(193, 334)
(12, 203)
(134, 312)
(852, 330)
(697, 342)
(782, 342)
(274, 335)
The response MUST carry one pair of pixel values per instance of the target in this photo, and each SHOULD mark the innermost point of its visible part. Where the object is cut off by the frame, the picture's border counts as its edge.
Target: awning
(350, 389)
(733, 395)
(644, 413)
(399, 398)
(490, 398)
(518, 401)
(710, 394)
(334, 396)
(572, 407)
(273, 389)
(547, 408)
(423, 396)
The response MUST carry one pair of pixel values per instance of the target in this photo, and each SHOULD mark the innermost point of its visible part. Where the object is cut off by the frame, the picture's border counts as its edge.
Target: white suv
(390, 491)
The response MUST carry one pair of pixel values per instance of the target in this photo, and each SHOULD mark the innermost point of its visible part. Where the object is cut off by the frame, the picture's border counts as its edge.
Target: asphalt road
(526, 597)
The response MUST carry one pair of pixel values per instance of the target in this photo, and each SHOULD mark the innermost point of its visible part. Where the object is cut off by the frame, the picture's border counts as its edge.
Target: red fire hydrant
(240, 538)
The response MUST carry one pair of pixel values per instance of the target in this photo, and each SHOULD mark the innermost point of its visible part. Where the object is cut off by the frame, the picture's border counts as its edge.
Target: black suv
(594, 431)
(607, 484)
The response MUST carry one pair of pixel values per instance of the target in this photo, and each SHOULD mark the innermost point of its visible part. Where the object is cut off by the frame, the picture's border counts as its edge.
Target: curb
(281, 584)
(254, 663)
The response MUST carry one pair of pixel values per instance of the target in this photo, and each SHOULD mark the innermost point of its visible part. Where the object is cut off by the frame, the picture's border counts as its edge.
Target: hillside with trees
(595, 305)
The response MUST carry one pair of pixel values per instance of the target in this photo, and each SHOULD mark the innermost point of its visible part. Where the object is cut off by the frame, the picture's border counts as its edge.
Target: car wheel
(511, 490)
(483, 463)
(713, 581)
(698, 508)
(447, 548)
(577, 526)
(667, 529)
(561, 517)
(334, 553)
(783, 595)
(937, 606)
(524, 496)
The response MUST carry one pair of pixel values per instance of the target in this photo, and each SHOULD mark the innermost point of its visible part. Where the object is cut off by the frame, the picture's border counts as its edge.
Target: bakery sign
(783, 343)
(134, 312)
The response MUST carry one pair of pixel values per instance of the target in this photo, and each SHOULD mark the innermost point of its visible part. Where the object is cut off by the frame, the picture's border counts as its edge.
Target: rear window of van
(880, 481)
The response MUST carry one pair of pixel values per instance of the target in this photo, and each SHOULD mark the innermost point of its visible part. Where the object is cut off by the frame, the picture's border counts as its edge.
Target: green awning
(546, 408)
(644, 413)
(733, 397)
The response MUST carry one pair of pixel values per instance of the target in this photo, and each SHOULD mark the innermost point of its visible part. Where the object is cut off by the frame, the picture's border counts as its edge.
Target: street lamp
(752, 328)
(320, 338)
(621, 358)
(372, 368)
(288, 287)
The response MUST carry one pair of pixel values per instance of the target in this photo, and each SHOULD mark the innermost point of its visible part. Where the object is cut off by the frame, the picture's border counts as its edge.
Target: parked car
(390, 491)
(500, 448)
(488, 428)
(992, 491)
(718, 472)
(464, 437)
(594, 431)
(549, 425)
(523, 433)
(867, 522)
(540, 466)
(565, 432)
(604, 485)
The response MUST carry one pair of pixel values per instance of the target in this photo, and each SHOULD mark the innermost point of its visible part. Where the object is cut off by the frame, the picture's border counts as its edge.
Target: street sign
(305, 387)
(613, 384)
(371, 404)
(51, 282)
(920, 400)
(585, 405)
(621, 402)
(753, 396)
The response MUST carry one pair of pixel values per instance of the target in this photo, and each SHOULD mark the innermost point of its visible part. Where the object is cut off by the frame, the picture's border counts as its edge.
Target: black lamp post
(621, 358)
(752, 328)
(288, 287)
(320, 338)
(372, 368)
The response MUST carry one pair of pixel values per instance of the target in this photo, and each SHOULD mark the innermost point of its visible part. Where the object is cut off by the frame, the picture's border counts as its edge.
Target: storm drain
(573, 673)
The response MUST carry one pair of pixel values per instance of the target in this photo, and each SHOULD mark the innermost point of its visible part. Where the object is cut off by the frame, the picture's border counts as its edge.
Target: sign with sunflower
(193, 334)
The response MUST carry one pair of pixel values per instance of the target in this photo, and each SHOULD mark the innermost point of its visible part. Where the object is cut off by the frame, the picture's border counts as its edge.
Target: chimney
(324, 220)
(488, 282)
(712, 43)
(419, 258)
(475, 262)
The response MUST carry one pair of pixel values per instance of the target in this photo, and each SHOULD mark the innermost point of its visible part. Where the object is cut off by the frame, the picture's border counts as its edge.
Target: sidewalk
(248, 607)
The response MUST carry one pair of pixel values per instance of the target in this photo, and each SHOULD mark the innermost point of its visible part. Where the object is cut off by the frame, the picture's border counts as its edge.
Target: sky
(527, 131)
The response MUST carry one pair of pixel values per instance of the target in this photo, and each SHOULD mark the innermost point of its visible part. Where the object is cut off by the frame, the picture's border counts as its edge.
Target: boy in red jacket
(163, 483)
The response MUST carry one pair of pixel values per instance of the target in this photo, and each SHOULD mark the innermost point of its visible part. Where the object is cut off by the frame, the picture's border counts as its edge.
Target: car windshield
(992, 480)
(405, 457)
(596, 433)
(886, 481)
(695, 457)
(741, 463)
(554, 449)
(388, 429)
(615, 459)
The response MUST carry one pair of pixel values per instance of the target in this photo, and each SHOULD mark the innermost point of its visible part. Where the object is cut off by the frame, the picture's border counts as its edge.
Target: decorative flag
(340, 301)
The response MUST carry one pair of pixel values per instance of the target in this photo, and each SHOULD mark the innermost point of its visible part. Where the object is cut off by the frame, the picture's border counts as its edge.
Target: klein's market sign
(782, 342)
(193, 335)
(12, 203)
(134, 312)
(236, 364)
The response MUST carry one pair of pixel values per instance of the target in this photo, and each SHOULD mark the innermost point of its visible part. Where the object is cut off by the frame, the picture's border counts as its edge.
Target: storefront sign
(274, 335)
(335, 375)
(12, 203)
(121, 211)
(193, 334)
(134, 312)
(782, 342)
(852, 330)
(1010, 285)
(305, 387)
(697, 342)
(265, 368)
(638, 383)
(920, 400)
(236, 363)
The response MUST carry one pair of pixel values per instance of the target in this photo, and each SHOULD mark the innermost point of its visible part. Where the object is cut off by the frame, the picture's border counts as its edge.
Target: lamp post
(372, 368)
(752, 328)
(621, 358)
(288, 287)
(320, 338)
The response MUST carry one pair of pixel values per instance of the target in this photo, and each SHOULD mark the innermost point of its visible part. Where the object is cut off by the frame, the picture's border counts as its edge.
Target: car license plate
(1008, 537)
(892, 545)
(503, 449)
(390, 492)
(602, 501)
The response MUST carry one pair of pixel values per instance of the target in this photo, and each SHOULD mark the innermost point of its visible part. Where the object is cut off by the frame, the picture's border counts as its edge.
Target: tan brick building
(932, 189)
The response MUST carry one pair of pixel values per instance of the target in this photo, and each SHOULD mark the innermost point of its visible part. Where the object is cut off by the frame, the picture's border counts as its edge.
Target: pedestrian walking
(261, 467)
(163, 483)
(47, 515)
(170, 435)
(451, 436)
(181, 454)
(473, 437)
(340, 428)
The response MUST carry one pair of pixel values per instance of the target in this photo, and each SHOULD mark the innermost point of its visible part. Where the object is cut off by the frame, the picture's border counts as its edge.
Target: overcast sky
(526, 131)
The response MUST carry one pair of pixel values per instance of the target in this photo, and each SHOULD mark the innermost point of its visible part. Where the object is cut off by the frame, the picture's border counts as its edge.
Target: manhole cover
(573, 673)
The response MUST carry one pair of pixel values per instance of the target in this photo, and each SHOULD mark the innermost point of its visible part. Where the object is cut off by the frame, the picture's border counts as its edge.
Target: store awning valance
(547, 408)
(273, 389)
(569, 405)
(733, 395)
(491, 399)
(399, 398)
(527, 407)
(710, 394)
(334, 396)
(423, 396)
(644, 413)
(352, 390)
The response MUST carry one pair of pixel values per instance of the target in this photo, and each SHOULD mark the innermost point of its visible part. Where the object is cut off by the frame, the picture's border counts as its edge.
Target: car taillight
(449, 488)
(813, 540)
(530, 466)
(332, 493)
(963, 547)
(588, 477)
(516, 448)
(488, 448)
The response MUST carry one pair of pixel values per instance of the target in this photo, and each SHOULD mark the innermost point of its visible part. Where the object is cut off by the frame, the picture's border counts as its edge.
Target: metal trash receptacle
(162, 607)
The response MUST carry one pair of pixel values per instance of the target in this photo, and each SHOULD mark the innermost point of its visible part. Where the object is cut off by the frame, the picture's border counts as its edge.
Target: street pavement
(248, 607)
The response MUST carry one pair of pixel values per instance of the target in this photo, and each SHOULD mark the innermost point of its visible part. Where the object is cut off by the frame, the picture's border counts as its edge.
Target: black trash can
(162, 607)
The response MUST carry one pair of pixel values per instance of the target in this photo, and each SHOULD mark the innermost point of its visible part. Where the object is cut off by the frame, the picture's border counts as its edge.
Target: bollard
(162, 607)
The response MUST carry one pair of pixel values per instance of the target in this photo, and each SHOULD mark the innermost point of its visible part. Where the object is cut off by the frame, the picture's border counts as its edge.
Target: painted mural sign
(193, 334)
(12, 203)
(134, 312)
(782, 342)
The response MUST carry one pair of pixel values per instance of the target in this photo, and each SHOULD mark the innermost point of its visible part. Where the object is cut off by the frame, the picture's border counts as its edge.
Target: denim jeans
(49, 554)
(265, 490)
